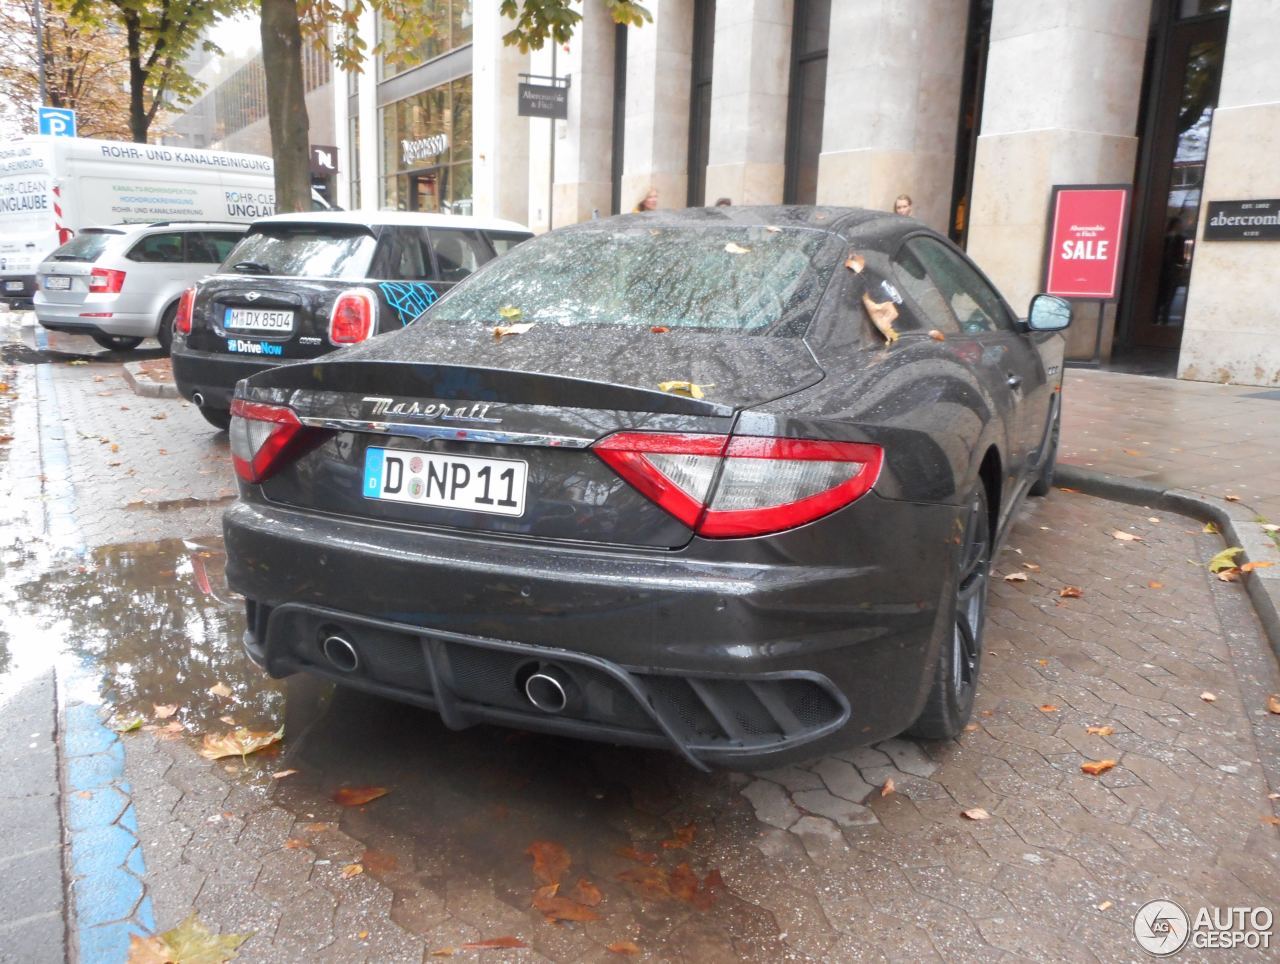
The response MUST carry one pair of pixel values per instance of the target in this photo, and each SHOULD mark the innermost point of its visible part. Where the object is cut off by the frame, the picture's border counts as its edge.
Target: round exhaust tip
(340, 653)
(197, 398)
(546, 693)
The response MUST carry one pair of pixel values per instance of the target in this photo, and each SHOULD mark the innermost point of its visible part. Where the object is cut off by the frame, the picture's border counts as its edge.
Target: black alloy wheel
(164, 334)
(117, 342)
(950, 700)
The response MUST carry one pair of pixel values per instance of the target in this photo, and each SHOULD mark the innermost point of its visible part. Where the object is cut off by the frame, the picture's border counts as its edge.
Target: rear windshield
(86, 246)
(303, 251)
(724, 278)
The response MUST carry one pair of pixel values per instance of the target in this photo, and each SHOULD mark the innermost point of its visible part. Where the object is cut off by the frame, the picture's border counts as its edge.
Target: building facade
(974, 108)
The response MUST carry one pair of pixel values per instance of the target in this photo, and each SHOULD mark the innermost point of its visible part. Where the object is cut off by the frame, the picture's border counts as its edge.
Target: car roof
(392, 218)
(140, 227)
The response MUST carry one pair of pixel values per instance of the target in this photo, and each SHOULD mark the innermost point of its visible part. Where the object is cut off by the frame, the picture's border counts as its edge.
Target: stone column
(894, 72)
(1232, 328)
(749, 81)
(500, 137)
(1064, 81)
(659, 75)
(370, 129)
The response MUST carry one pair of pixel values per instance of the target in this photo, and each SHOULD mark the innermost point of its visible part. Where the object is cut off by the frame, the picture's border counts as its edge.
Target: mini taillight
(764, 485)
(106, 281)
(263, 438)
(186, 304)
(353, 316)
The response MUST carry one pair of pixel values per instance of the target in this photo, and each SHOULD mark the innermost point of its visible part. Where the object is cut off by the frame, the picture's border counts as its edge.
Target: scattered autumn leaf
(164, 710)
(320, 827)
(1121, 536)
(684, 388)
(734, 248)
(358, 796)
(239, 742)
(221, 689)
(1133, 452)
(1229, 575)
(937, 335)
(625, 948)
(888, 787)
(1210, 529)
(495, 943)
(443, 952)
(363, 935)
(855, 263)
(1232, 498)
(1208, 697)
(1273, 703)
(1048, 708)
(1031, 566)
(1270, 527)
(1100, 730)
(352, 870)
(127, 724)
(1097, 767)
(971, 728)
(556, 908)
(975, 813)
(639, 856)
(296, 843)
(379, 862)
(281, 774)
(1071, 592)
(191, 942)
(1016, 577)
(1152, 518)
(509, 312)
(683, 838)
(503, 331)
(1226, 559)
(1155, 585)
(659, 329)
(772, 229)
(78, 361)
(883, 315)
(1068, 489)
(1105, 905)
(585, 892)
(1274, 821)
(550, 860)
(229, 720)
(1251, 566)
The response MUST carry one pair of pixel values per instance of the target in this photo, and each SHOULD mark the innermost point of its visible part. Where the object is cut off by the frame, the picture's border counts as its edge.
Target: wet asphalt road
(110, 572)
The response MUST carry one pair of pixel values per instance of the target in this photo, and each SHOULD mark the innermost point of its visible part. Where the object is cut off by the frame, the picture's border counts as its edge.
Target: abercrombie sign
(539, 100)
(1243, 221)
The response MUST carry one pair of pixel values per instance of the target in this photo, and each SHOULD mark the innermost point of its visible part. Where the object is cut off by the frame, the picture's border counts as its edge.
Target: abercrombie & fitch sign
(1243, 221)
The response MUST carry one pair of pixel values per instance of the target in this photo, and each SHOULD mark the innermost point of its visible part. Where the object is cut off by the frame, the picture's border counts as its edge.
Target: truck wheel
(219, 418)
(117, 342)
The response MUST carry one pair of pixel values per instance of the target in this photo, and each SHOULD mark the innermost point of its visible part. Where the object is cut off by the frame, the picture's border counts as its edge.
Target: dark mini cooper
(300, 285)
(722, 480)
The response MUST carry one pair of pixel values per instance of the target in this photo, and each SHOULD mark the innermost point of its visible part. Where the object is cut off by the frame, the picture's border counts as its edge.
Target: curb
(1237, 522)
(142, 385)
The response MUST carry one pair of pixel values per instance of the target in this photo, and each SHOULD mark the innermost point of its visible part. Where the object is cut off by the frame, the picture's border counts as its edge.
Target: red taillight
(353, 316)
(262, 438)
(106, 281)
(764, 485)
(186, 304)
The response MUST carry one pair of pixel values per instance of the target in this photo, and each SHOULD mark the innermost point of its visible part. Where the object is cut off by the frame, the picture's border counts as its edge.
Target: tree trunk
(139, 122)
(286, 104)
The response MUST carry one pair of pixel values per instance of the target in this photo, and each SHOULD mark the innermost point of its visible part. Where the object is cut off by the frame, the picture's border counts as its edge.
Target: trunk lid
(281, 318)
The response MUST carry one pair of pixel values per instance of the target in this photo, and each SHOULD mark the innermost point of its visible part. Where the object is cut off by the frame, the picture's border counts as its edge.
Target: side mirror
(1048, 313)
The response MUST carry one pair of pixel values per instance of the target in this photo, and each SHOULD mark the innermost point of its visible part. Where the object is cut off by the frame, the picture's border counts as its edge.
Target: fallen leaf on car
(1208, 697)
(495, 943)
(1251, 566)
(888, 787)
(1100, 730)
(1048, 708)
(1155, 585)
(882, 314)
(164, 710)
(550, 860)
(937, 335)
(684, 388)
(626, 948)
(734, 248)
(281, 774)
(358, 796)
(1031, 567)
(191, 942)
(639, 856)
(239, 742)
(352, 870)
(1210, 529)
(127, 724)
(682, 838)
(1226, 559)
(221, 689)
(1016, 577)
(503, 331)
(510, 312)
(1273, 703)
(1122, 536)
(659, 329)
(1096, 767)
(1071, 592)
(975, 813)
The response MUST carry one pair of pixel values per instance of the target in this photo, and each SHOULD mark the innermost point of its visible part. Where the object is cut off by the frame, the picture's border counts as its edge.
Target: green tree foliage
(540, 20)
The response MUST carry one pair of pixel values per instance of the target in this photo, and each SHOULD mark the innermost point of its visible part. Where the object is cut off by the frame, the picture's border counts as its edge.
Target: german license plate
(495, 486)
(258, 319)
(54, 282)
(13, 286)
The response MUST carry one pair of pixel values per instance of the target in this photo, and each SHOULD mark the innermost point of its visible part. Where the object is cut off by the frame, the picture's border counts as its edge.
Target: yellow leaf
(1100, 730)
(1273, 703)
(188, 943)
(1210, 529)
(1105, 905)
(1250, 566)
(975, 813)
(128, 725)
(239, 743)
(684, 388)
(1226, 559)
(352, 870)
(734, 248)
(510, 312)
(78, 361)
(1155, 585)
(883, 315)
(1097, 767)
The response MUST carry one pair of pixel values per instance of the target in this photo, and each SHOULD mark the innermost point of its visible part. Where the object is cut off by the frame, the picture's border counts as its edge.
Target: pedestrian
(902, 205)
(724, 202)
(649, 202)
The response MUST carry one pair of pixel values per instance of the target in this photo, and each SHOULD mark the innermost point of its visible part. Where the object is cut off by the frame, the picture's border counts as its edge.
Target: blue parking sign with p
(58, 121)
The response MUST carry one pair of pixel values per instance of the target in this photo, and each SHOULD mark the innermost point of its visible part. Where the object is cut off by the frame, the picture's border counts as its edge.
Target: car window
(504, 241)
(975, 303)
(302, 250)
(911, 276)
(401, 256)
(84, 247)
(210, 247)
(458, 253)
(163, 248)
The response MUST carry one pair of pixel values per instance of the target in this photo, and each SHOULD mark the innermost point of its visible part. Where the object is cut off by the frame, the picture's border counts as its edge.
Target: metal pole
(551, 174)
(39, 18)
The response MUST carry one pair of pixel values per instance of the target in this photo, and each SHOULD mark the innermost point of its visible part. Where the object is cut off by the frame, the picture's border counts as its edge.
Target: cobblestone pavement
(812, 862)
(1215, 439)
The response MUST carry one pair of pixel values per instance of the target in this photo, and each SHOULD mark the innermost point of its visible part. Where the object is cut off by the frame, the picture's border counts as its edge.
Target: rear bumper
(71, 318)
(212, 375)
(18, 290)
(861, 638)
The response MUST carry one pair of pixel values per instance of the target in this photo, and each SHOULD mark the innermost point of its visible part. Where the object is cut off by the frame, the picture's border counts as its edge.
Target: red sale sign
(1086, 238)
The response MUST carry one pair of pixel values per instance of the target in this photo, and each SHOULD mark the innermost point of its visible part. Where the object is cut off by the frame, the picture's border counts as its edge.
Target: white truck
(51, 187)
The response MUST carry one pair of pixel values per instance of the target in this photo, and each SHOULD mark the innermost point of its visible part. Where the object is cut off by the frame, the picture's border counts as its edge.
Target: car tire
(219, 418)
(1044, 481)
(164, 334)
(950, 700)
(117, 342)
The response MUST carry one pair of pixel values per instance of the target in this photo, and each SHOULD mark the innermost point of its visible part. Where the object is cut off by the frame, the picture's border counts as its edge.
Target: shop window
(810, 29)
